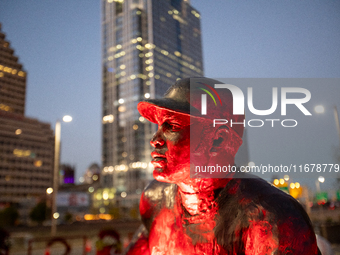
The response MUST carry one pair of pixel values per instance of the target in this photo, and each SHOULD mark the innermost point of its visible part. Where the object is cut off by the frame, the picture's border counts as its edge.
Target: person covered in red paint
(227, 213)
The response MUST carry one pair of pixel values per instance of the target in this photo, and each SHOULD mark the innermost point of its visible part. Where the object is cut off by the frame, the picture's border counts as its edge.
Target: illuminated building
(26, 145)
(13, 79)
(26, 157)
(66, 174)
(147, 45)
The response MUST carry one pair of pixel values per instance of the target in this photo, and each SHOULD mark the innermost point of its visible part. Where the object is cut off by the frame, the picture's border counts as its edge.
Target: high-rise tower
(13, 79)
(26, 145)
(147, 45)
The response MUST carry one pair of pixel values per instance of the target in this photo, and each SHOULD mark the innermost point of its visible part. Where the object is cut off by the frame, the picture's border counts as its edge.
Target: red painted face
(171, 156)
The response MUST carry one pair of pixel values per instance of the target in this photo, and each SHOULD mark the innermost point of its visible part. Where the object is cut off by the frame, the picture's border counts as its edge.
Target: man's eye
(174, 127)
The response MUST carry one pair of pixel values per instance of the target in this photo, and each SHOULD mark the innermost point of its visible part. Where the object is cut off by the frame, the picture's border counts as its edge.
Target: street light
(49, 190)
(317, 183)
(66, 118)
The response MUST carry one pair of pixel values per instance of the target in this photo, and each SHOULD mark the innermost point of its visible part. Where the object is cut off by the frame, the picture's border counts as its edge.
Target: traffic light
(322, 197)
(295, 190)
(281, 184)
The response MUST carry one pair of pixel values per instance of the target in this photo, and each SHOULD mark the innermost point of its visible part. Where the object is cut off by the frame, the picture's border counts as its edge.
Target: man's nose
(157, 139)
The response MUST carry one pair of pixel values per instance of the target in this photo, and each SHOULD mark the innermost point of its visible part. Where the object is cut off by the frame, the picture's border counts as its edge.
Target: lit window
(177, 53)
(164, 52)
(18, 131)
(21, 73)
(122, 66)
(38, 163)
(108, 119)
(121, 108)
(121, 101)
(135, 127)
(140, 47)
(124, 154)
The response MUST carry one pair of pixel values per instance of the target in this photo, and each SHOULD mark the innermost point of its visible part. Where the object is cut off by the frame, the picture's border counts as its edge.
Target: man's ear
(221, 140)
(224, 142)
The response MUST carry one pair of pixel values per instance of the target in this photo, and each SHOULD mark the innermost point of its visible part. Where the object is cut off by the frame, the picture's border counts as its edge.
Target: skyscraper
(147, 45)
(13, 79)
(26, 145)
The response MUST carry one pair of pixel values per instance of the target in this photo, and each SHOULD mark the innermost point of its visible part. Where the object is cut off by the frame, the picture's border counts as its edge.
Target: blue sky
(59, 44)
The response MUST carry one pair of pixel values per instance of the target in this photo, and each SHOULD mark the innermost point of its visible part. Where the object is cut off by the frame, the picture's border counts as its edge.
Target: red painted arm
(140, 246)
(291, 236)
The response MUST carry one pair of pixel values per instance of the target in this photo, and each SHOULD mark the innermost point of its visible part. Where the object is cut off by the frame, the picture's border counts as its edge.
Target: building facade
(26, 145)
(26, 158)
(13, 79)
(147, 46)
